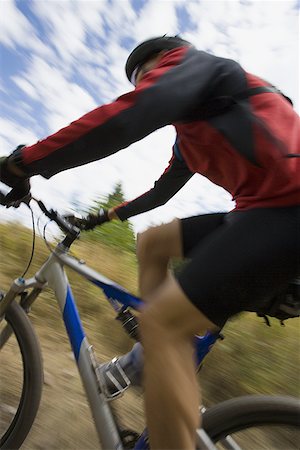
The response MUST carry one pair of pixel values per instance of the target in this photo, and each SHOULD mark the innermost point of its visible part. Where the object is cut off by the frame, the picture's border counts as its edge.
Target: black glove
(20, 185)
(91, 221)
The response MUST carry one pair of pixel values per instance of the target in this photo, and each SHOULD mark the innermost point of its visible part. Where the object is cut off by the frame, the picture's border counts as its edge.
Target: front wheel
(254, 422)
(21, 377)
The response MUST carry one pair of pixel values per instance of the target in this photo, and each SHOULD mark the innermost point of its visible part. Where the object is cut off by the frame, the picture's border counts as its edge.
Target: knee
(152, 328)
(149, 246)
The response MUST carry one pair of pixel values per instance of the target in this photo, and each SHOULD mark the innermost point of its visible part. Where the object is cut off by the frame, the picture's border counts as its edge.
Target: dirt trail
(64, 420)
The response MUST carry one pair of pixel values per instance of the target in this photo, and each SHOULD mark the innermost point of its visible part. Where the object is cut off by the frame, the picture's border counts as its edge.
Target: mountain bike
(223, 425)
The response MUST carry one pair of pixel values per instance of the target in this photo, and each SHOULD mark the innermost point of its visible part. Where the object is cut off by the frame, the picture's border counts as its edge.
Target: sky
(61, 59)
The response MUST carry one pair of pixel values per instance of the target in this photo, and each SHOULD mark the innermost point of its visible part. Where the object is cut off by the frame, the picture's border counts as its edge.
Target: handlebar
(60, 221)
(68, 224)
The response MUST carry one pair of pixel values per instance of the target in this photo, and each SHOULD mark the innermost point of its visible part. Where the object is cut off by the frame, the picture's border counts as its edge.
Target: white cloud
(11, 133)
(14, 27)
(26, 86)
(62, 99)
(68, 30)
(64, 28)
(262, 35)
(158, 17)
(120, 18)
(16, 30)
(80, 63)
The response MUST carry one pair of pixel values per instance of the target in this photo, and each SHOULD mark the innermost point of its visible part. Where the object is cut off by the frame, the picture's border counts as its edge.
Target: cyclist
(242, 134)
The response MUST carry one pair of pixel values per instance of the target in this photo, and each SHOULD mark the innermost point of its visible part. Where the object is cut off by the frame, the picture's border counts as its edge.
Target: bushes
(253, 358)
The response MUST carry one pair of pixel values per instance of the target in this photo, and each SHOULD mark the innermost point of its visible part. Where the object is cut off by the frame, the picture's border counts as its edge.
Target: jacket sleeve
(172, 180)
(183, 79)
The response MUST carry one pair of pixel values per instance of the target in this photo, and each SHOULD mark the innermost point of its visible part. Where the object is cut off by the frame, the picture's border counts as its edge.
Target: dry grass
(252, 359)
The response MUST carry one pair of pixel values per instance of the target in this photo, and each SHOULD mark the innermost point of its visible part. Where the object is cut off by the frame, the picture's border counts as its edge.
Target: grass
(253, 358)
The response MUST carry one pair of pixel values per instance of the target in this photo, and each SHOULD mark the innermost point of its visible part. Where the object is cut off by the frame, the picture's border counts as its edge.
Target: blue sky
(60, 59)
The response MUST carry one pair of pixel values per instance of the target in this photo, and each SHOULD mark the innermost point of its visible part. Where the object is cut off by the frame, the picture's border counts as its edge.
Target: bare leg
(155, 247)
(168, 325)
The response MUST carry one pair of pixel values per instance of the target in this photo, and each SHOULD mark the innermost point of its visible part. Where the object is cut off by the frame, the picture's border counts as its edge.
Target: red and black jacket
(244, 148)
(176, 175)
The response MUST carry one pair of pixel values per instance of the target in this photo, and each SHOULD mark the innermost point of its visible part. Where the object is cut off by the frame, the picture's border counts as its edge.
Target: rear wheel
(254, 422)
(21, 377)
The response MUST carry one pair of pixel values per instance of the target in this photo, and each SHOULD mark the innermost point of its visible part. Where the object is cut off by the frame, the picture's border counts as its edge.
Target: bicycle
(220, 422)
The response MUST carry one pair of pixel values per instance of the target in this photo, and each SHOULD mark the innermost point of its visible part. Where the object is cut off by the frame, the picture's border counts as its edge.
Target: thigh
(163, 241)
(247, 259)
(177, 238)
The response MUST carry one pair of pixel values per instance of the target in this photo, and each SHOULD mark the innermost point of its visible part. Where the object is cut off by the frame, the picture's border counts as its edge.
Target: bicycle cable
(45, 237)
(38, 226)
(33, 243)
(42, 234)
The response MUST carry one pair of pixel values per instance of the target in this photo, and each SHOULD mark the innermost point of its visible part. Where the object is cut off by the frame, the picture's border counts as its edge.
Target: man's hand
(91, 221)
(112, 214)
(20, 184)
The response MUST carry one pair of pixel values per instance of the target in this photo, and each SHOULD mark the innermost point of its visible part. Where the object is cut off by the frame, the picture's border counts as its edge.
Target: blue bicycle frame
(52, 274)
(118, 297)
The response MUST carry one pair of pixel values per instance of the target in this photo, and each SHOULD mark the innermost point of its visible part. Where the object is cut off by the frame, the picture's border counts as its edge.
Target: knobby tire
(250, 411)
(32, 378)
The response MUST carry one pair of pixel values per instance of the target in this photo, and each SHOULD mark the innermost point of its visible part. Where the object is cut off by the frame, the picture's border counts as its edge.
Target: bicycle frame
(52, 274)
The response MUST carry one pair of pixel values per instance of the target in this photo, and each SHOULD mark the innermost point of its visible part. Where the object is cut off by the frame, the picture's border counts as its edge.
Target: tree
(115, 233)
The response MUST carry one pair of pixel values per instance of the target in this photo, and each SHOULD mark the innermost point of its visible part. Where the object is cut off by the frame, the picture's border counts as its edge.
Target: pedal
(112, 379)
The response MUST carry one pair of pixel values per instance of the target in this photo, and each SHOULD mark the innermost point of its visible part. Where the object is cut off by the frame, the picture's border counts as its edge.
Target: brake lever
(73, 219)
(59, 220)
(64, 224)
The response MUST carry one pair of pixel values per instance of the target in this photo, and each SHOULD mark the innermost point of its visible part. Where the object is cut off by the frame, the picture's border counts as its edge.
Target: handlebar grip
(15, 204)
(93, 220)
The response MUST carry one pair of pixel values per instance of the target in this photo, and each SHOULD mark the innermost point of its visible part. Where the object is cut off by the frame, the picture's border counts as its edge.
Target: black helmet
(149, 48)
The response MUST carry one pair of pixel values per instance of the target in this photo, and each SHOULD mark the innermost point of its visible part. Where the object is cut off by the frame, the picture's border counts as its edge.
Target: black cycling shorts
(239, 260)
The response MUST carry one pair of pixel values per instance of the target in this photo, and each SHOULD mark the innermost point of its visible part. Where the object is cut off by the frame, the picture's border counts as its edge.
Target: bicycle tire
(30, 398)
(249, 411)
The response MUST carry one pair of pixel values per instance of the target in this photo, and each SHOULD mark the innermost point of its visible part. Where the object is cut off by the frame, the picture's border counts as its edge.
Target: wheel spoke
(203, 440)
(230, 444)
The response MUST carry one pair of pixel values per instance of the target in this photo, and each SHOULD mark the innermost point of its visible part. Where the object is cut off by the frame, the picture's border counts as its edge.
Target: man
(242, 134)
